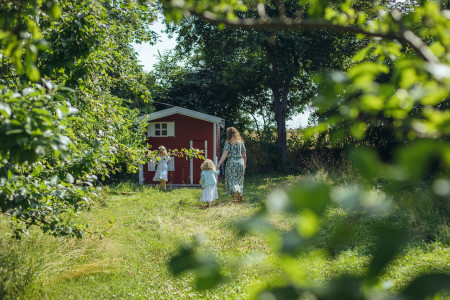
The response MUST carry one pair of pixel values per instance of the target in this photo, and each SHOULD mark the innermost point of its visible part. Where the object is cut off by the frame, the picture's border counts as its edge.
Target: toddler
(208, 180)
(161, 169)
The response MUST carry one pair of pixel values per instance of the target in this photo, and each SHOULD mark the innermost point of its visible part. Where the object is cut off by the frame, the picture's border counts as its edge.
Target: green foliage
(76, 125)
(29, 129)
(235, 73)
(398, 84)
(309, 204)
(207, 269)
(20, 34)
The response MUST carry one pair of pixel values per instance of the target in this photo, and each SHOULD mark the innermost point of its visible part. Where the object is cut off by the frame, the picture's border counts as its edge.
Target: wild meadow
(143, 228)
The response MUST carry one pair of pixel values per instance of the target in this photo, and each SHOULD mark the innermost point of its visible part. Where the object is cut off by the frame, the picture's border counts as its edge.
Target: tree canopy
(259, 69)
(69, 87)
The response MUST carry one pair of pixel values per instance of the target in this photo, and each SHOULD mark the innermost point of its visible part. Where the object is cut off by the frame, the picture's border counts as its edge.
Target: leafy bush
(61, 133)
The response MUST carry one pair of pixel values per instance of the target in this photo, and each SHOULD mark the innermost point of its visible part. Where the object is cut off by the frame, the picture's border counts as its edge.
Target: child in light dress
(162, 159)
(208, 180)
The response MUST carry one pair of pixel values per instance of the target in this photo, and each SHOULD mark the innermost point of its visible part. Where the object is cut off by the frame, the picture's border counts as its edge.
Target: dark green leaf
(426, 286)
(366, 161)
(208, 273)
(286, 293)
(310, 194)
(184, 261)
(257, 223)
(346, 287)
(292, 242)
(389, 243)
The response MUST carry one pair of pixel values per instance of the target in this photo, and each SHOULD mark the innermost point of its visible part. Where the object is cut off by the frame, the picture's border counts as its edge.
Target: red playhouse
(177, 128)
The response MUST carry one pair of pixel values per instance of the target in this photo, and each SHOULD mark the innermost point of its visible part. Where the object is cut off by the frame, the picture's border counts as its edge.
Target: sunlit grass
(144, 228)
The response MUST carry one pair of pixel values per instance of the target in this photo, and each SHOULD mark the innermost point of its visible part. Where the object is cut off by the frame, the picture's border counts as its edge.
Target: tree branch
(409, 37)
(287, 23)
(405, 37)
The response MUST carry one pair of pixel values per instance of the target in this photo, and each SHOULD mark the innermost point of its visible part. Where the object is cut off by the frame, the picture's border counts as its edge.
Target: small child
(208, 180)
(161, 170)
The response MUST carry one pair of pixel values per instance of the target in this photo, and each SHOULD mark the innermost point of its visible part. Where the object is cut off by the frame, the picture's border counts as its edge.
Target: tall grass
(144, 227)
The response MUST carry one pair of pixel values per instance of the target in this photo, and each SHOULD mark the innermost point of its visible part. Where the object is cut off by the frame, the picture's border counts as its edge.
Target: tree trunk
(280, 116)
(280, 105)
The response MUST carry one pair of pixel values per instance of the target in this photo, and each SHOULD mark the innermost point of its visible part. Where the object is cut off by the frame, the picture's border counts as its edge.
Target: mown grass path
(144, 229)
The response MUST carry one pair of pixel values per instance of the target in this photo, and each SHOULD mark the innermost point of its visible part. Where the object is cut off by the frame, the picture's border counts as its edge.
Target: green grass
(144, 228)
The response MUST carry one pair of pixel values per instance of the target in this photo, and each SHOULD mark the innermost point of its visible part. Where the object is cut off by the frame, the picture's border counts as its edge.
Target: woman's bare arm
(222, 159)
(244, 156)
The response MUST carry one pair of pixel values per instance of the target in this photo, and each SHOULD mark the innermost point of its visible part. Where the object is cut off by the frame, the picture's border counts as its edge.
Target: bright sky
(148, 54)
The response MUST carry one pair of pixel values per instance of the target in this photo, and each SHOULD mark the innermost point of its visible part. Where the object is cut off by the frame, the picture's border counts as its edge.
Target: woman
(234, 150)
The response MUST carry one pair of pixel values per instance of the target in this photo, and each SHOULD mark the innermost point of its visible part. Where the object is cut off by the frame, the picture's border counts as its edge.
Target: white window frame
(159, 127)
(141, 174)
(152, 129)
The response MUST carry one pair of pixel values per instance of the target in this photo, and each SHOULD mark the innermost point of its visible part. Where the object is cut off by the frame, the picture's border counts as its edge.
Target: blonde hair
(208, 165)
(163, 150)
(233, 136)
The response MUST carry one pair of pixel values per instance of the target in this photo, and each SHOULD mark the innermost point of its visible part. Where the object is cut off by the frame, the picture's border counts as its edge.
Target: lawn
(144, 228)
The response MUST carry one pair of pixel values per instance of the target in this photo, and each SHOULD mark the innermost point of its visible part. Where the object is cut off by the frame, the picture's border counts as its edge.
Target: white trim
(191, 172)
(171, 165)
(215, 144)
(149, 129)
(141, 174)
(151, 166)
(182, 111)
(184, 185)
(206, 149)
(170, 129)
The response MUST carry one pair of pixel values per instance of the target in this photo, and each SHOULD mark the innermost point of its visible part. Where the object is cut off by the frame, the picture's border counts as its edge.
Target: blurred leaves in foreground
(399, 81)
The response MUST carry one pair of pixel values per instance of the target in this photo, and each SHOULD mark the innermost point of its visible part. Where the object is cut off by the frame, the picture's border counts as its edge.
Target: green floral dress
(234, 168)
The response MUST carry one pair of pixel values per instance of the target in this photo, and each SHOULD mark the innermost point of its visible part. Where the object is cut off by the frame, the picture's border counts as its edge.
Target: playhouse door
(197, 162)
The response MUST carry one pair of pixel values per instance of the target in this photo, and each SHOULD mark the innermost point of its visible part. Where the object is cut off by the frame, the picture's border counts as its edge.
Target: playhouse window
(161, 129)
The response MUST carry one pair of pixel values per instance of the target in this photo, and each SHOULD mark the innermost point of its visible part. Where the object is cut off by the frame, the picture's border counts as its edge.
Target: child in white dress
(208, 180)
(162, 159)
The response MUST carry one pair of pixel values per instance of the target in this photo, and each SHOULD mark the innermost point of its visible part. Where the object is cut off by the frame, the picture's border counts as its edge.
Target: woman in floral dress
(234, 150)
